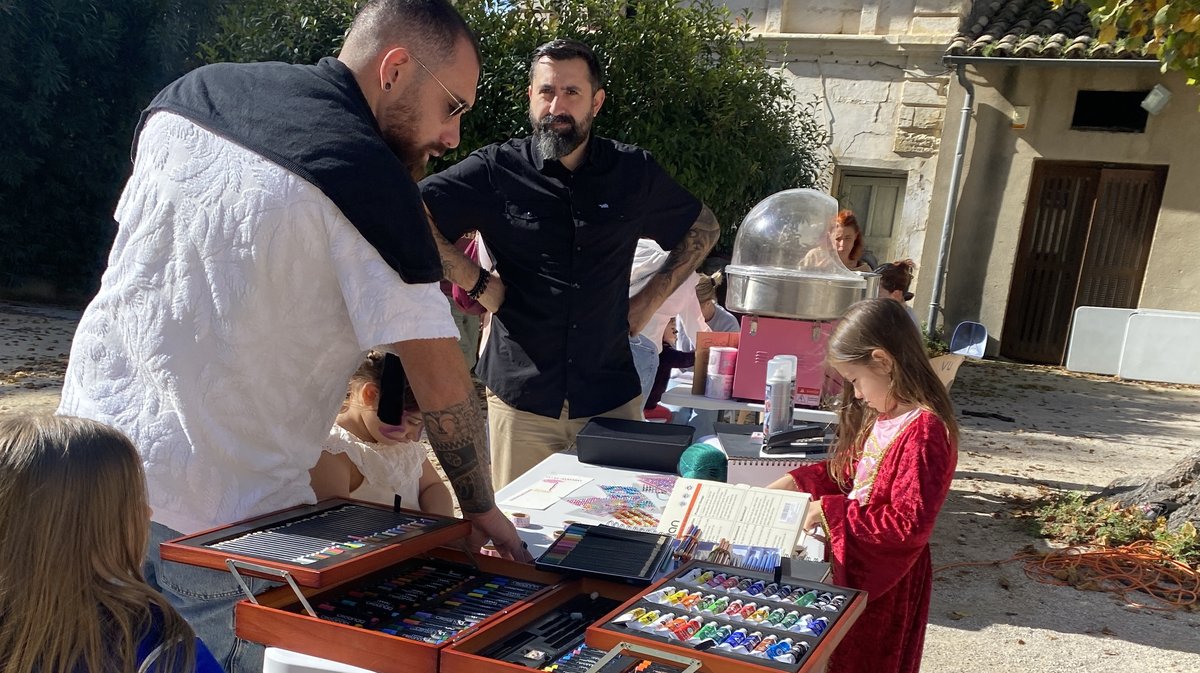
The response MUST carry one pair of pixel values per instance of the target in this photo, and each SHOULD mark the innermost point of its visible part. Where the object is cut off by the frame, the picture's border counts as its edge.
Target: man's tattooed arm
(460, 443)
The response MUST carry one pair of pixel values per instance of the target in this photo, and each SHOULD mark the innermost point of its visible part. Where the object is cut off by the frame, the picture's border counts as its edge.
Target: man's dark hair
(432, 28)
(565, 50)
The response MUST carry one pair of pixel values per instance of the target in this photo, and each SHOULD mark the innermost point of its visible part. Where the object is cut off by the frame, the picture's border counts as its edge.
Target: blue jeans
(645, 360)
(700, 419)
(205, 598)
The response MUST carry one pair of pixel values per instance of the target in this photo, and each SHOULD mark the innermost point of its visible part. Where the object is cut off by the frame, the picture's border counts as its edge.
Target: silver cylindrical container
(779, 394)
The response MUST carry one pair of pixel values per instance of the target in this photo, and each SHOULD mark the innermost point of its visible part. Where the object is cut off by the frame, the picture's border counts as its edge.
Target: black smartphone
(392, 384)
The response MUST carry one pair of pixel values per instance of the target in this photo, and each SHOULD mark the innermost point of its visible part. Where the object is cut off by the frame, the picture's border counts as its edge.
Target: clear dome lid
(792, 232)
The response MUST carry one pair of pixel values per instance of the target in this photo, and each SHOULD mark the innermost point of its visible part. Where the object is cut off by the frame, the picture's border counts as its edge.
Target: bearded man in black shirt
(561, 212)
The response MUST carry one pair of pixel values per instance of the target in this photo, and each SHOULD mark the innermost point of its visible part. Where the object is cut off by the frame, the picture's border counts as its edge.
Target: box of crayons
(319, 544)
(733, 619)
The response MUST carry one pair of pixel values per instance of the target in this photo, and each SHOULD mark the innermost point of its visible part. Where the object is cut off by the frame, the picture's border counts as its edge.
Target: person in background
(467, 313)
(845, 241)
(681, 307)
(365, 459)
(74, 523)
(894, 281)
(562, 212)
(715, 315)
(878, 496)
(718, 320)
(270, 234)
(668, 360)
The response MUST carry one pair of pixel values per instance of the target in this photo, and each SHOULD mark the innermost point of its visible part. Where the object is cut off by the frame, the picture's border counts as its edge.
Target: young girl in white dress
(366, 459)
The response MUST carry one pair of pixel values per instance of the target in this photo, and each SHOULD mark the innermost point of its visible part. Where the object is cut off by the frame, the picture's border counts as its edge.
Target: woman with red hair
(845, 245)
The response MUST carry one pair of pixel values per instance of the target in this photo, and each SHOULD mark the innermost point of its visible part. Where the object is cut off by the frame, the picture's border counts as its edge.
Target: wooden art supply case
(351, 548)
(607, 634)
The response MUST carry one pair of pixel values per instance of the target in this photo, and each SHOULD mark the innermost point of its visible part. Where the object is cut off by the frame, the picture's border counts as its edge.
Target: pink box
(763, 338)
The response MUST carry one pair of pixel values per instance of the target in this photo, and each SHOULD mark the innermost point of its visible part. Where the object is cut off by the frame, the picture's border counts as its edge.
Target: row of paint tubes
(705, 635)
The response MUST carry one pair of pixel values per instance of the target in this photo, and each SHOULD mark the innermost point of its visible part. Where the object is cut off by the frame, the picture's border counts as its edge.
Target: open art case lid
(319, 544)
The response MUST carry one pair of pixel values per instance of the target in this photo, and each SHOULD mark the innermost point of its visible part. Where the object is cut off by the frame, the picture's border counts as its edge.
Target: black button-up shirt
(563, 242)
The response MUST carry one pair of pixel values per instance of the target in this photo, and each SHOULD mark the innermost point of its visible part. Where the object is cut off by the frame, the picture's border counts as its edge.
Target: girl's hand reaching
(813, 519)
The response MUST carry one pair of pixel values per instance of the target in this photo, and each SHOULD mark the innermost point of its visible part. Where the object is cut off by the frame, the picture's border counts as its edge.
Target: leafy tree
(73, 78)
(295, 31)
(1169, 29)
(687, 82)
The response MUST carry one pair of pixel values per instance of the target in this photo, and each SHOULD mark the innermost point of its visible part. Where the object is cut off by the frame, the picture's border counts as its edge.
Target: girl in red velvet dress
(879, 494)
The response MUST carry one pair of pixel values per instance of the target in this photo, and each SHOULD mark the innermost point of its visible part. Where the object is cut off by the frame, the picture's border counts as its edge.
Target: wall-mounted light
(1157, 99)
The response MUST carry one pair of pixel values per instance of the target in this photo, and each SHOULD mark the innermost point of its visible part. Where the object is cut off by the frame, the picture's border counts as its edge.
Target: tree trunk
(1175, 492)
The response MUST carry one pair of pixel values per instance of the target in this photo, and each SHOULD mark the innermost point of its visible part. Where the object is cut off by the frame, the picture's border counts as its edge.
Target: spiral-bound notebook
(763, 471)
(746, 466)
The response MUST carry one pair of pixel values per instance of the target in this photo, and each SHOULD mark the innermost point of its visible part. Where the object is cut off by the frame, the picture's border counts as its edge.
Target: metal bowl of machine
(798, 295)
(784, 264)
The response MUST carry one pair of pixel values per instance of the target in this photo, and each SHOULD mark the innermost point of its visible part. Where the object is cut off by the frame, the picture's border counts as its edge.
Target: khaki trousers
(520, 439)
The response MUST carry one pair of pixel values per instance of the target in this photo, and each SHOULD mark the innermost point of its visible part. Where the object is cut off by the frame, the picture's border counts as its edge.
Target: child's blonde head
(882, 324)
(707, 284)
(75, 523)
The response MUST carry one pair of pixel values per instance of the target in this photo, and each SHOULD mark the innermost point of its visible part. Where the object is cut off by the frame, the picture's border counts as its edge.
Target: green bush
(686, 82)
(294, 31)
(73, 78)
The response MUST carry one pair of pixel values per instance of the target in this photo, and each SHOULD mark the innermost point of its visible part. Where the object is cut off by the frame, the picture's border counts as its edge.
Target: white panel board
(1162, 346)
(1097, 338)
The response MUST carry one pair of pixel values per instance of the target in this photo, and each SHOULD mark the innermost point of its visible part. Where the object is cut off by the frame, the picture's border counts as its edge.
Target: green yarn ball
(704, 461)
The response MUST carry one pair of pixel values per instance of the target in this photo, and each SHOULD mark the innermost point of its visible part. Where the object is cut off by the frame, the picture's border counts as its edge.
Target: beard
(397, 124)
(555, 143)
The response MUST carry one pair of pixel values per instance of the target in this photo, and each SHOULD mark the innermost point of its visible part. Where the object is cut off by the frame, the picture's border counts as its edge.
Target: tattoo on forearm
(458, 439)
(691, 251)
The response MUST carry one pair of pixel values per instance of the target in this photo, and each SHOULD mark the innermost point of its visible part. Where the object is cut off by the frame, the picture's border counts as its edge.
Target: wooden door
(1084, 242)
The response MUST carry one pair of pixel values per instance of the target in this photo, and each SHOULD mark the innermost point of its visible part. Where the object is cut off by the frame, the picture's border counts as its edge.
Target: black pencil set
(739, 614)
(426, 600)
(607, 551)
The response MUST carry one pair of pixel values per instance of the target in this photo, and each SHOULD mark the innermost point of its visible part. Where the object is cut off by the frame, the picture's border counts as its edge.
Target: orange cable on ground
(1140, 567)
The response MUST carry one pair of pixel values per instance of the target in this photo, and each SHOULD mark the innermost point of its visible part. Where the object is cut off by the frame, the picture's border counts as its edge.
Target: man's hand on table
(493, 525)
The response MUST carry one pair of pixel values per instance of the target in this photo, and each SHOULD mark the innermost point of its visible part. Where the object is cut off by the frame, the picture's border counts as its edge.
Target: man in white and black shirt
(271, 233)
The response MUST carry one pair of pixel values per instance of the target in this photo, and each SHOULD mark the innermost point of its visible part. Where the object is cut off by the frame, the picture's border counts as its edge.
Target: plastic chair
(658, 414)
(969, 340)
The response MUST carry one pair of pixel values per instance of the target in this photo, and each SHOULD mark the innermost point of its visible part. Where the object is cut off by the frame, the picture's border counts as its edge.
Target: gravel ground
(1069, 432)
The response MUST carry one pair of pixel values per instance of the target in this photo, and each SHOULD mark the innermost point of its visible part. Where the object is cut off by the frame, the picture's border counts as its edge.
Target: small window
(1113, 111)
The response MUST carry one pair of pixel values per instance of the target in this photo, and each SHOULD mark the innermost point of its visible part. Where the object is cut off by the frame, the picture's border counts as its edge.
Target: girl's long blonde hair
(74, 525)
(882, 324)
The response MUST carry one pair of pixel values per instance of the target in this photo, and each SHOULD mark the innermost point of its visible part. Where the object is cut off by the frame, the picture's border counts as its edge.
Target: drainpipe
(960, 146)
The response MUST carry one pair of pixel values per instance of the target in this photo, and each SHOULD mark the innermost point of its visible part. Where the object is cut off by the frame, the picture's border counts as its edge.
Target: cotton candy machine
(784, 265)
(787, 278)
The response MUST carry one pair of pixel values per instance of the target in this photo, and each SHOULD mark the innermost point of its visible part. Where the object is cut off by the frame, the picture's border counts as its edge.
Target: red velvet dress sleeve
(815, 480)
(874, 545)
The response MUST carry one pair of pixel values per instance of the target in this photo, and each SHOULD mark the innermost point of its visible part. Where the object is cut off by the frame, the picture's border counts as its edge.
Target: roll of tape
(721, 360)
(520, 519)
(718, 386)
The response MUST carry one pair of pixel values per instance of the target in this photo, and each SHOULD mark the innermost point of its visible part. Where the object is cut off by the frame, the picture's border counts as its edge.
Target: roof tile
(1033, 29)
